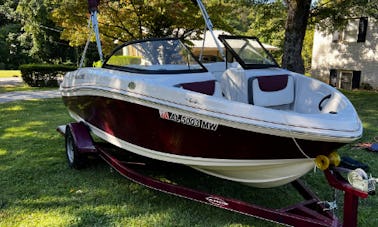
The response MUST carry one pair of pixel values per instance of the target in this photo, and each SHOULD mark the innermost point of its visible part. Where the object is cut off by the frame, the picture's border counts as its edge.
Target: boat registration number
(187, 120)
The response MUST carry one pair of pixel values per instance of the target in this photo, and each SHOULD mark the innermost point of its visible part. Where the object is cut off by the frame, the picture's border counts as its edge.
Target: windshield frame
(244, 64)
(201, 68)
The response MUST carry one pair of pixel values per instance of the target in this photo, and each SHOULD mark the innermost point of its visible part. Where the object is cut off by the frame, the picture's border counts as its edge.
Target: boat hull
(255, 159)
(145, 127)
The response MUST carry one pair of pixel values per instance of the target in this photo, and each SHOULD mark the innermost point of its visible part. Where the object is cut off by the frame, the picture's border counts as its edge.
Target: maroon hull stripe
(143, 126)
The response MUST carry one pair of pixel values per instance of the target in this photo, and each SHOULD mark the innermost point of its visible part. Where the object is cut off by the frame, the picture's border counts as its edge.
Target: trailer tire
(75, 159)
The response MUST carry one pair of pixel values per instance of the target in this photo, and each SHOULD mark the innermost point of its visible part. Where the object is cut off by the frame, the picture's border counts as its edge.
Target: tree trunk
(296, 23)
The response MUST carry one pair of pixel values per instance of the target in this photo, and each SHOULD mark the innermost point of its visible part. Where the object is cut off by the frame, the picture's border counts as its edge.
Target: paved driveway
(13, 81)
(24, 95)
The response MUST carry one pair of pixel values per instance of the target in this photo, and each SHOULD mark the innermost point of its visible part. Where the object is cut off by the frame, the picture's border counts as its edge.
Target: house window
(355, 31)
(351, 31)
(337, 36)
(362, 29)
(333, 77)
(356, 80)
(345, 80)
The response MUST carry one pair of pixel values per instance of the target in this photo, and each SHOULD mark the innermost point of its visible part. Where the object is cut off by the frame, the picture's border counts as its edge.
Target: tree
(39, 35)
(11, 52)
(125, 20)
(298, 12)
(267, 22)
(28, 34)
(239, 18)
(7, 11)
(333, 15)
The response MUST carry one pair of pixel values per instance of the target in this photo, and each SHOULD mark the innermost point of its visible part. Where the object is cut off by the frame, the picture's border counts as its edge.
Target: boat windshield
(248, 52)
(162, 56)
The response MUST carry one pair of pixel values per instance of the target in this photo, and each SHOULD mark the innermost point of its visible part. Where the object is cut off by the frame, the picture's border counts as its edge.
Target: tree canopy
(39, 36)
(11, 55)
(29, 35)
(125, 20)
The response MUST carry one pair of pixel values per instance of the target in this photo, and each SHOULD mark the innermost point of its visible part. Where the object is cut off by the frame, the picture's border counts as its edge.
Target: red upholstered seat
(271, 90)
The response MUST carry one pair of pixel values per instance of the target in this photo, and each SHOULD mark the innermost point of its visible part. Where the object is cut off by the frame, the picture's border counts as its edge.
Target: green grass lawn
(9, 73)
(23, 87)
(37, 188)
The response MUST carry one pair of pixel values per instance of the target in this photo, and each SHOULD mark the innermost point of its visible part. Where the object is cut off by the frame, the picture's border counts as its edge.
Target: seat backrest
(270, 91)
(234, 85)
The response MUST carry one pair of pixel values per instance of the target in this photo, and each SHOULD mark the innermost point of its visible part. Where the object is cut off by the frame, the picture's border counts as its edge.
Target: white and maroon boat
(246, 120)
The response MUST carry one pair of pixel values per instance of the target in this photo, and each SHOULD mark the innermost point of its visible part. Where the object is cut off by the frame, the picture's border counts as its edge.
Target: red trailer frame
(309, 212)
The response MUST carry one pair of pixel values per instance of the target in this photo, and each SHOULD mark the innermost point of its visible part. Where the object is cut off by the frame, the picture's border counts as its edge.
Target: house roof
(210, 43)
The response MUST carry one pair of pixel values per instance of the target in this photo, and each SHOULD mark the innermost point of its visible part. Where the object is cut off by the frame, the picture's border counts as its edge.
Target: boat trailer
(309, 212)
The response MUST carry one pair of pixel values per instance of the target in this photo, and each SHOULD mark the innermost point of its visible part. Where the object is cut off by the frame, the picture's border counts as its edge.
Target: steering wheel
(320, 106)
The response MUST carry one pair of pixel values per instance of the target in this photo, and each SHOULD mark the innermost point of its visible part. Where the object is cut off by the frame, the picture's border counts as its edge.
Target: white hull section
(262, 173)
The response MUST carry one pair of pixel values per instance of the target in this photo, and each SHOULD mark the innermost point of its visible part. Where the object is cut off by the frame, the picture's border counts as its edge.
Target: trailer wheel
(75, 159)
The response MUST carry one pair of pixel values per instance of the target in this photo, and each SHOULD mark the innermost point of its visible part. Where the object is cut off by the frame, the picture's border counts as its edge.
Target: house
(348, 59)
(209, 49)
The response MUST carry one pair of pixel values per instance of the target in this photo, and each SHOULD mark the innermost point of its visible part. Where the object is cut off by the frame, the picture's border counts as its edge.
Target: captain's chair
(271, 91)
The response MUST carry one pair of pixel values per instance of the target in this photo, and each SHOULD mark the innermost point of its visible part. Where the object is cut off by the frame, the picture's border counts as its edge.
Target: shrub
(44, 75)
(120, 60)
(366, 86)
(97, 64)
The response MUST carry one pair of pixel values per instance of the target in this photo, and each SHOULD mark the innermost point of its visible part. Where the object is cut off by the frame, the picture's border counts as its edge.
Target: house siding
(347, 55)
